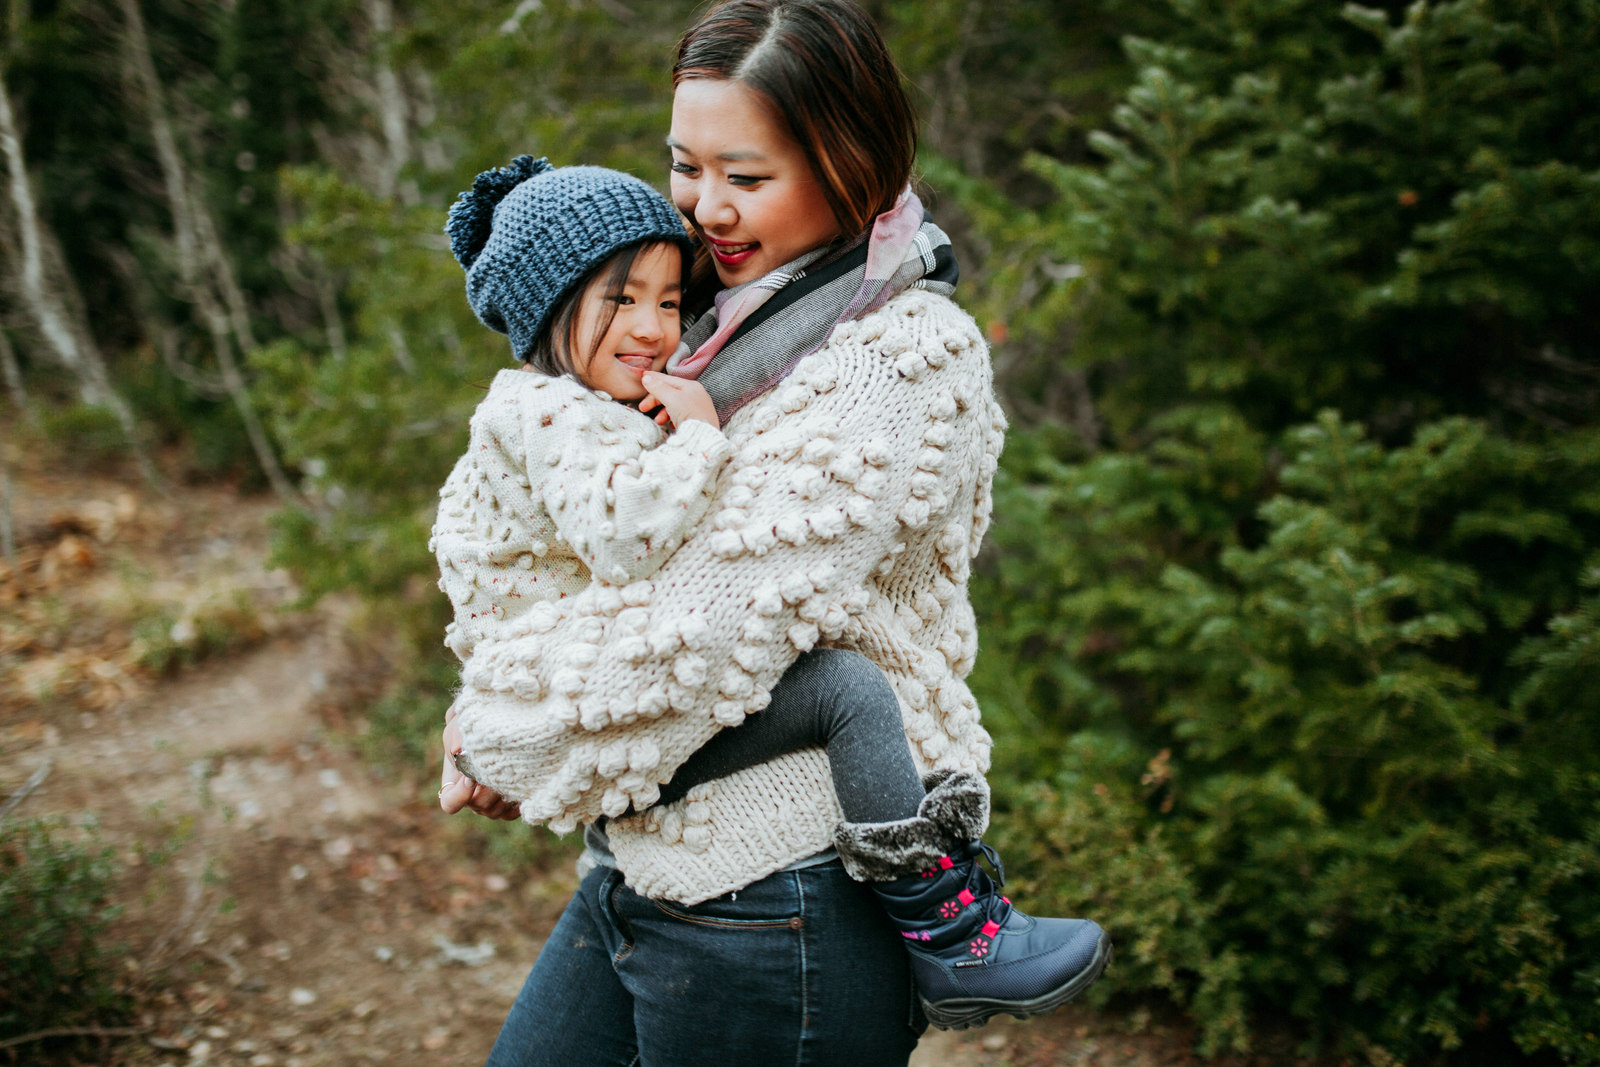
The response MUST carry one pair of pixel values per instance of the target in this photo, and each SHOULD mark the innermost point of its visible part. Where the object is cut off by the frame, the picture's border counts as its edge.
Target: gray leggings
(830, 699)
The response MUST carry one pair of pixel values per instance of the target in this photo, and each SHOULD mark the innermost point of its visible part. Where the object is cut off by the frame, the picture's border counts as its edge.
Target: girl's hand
(678, 399)
(457, 791)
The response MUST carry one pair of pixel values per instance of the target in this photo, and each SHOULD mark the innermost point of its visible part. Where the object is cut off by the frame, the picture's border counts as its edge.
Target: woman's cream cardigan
(855, 497)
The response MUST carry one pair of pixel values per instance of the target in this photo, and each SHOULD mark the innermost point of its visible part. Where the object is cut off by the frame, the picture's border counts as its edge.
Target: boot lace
(997, 908)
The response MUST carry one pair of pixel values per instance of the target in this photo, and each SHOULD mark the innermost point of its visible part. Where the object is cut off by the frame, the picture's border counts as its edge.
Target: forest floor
(283, 905)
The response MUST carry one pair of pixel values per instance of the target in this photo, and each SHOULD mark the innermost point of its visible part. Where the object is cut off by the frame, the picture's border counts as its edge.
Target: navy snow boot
(974, 954)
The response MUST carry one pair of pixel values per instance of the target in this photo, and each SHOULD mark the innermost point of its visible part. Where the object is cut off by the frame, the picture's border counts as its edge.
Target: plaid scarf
(756, 332)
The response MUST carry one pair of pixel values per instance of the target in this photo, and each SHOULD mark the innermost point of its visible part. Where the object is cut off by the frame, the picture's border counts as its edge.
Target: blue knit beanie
(526, 234)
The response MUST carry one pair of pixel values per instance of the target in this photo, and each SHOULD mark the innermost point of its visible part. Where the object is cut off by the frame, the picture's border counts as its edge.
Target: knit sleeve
(883, 437)
(618, 495)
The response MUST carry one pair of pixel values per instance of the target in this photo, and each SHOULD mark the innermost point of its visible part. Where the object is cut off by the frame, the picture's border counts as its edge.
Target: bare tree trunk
(392, 111)
(70, 341)
(13, 376)
(204, 267)
(8, 536)
(333, 322)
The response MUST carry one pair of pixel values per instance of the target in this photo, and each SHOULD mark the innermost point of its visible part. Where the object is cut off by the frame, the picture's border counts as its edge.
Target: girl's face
(743, 181)
(644, 330)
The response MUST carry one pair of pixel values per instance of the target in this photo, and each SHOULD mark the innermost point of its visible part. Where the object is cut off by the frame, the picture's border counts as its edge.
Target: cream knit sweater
(559, 483)
(856, 496)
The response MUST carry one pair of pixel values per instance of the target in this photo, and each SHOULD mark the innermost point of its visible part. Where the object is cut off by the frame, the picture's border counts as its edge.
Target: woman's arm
(622, 501)
(886, 435)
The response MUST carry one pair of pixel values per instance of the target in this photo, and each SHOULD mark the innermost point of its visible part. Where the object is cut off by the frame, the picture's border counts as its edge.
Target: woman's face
(742, 181)
(644, 330)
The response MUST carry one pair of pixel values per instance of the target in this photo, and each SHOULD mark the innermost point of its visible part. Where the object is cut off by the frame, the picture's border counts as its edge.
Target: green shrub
(55, 969)
(83, 436)
(166, 640)
(1325, 763)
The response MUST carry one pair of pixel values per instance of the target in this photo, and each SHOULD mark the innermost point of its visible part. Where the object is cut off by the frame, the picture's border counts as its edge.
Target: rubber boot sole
(959, 1014)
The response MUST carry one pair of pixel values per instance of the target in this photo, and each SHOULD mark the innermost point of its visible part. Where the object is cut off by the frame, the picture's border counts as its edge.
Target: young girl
(584, 269)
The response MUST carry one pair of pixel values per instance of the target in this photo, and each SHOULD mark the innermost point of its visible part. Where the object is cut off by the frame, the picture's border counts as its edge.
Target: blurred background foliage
(1291, 609)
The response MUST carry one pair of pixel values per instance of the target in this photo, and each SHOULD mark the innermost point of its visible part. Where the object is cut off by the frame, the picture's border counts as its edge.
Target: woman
(858, 401)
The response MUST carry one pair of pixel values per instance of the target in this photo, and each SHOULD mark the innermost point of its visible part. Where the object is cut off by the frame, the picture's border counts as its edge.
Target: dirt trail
(286, 907)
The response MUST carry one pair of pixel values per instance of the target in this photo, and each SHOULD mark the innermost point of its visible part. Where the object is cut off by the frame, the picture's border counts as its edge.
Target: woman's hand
(678, 399)
(457, 791)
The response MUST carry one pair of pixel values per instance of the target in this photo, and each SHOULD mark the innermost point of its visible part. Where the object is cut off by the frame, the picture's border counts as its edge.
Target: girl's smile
(644, 325)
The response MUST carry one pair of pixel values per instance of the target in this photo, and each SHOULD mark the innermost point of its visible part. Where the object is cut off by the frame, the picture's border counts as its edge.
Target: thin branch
(8, 533)
(74, 1031)
(13, 375)
(35, 780)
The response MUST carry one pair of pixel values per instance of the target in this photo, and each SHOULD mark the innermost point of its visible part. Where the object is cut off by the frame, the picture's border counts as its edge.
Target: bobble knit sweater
(847, 510)
(560, 484)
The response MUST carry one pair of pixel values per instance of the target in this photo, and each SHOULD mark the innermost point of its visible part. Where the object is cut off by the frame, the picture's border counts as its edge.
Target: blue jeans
(801, 967)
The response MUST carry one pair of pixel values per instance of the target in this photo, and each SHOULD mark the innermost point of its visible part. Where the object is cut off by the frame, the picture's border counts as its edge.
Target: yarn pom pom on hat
(527, 233)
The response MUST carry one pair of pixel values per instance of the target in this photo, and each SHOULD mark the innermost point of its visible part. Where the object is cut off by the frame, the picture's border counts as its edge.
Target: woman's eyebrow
(738, 156)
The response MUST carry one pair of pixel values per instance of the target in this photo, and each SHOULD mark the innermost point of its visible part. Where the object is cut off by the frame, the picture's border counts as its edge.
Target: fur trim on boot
(955, 811)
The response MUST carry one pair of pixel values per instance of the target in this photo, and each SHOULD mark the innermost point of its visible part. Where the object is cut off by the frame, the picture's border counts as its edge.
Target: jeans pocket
(719, 914)
(609, 890)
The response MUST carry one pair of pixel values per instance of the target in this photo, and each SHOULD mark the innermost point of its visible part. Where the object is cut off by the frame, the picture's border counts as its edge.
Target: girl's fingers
(454, 796)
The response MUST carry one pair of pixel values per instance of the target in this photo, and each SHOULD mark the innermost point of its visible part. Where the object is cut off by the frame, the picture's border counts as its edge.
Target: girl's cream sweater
(559, 484)
(855, 496)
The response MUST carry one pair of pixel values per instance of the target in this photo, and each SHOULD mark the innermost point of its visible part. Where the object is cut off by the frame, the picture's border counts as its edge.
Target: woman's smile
(731, 253)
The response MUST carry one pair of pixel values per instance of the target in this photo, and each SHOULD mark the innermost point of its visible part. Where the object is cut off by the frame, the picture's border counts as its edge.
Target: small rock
(216, 1033)
(261, 1059)
(466, 955)
(338, 850)
(364, 1009)
(329, 778)
(995, 1042)
(298, 872)
(301, 998)
(497, 883)
(200, 1051)
(384, 953)
(435, 1039)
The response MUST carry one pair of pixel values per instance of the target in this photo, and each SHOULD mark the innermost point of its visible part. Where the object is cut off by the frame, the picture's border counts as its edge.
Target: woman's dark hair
(550, 357)
(823, 67)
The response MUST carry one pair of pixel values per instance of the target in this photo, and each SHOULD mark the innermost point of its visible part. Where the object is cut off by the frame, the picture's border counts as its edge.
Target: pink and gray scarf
(756, 333)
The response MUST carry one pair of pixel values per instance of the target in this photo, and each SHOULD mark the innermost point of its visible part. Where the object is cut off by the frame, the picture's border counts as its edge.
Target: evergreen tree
(1298, 612)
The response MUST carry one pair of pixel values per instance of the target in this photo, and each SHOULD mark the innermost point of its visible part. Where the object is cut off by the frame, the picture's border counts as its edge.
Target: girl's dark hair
(823, 67)
(555, 358)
